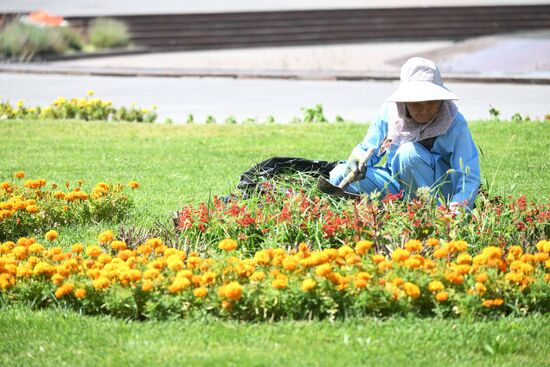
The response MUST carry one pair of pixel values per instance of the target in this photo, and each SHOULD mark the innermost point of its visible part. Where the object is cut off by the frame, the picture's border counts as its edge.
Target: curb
(259, 74)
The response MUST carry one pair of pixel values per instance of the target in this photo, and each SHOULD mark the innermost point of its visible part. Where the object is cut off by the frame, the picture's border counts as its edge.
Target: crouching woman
(426, 139)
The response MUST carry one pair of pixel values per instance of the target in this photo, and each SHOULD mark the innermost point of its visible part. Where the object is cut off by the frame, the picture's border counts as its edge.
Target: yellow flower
(77, 248)
(435, 286)
(51, 235)
(90, 93)
(257, 276)
(227, 244)
(482, 277)
(360, 283)
(104, 237)
(323, 270)
(80, 293)
(362, 247)
(233, 291)
(118, 245)
(442, 296)
(413, 245)
(308, 284)
(200, 292)
(133, 184)
(411, 290)
(179, 284)
(63, 290)
(20, 174)
(432, 242)
(147, 286)
(400, 254)
(101, 283)
(32, 209)
(93, 251)
(290, 263)
(279, 283)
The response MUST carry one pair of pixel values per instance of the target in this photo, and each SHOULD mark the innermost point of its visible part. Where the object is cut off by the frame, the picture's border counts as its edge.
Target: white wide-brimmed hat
(421, 81)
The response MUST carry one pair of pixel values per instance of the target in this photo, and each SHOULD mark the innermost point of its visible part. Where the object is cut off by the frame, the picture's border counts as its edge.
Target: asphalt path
(260, 98)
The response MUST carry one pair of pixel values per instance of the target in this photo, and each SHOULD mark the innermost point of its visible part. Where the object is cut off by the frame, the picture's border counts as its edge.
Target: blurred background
(271, 58)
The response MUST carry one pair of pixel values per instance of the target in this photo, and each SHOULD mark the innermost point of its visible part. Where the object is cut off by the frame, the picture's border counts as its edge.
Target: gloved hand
(353, 163)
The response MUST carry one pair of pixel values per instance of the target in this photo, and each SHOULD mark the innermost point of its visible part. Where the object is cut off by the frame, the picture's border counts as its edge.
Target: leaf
(489, 349)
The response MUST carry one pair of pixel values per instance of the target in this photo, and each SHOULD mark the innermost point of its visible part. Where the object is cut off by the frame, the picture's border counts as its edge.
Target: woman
(426, 140)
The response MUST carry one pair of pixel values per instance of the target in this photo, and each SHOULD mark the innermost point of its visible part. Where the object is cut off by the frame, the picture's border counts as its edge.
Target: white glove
(353, 163)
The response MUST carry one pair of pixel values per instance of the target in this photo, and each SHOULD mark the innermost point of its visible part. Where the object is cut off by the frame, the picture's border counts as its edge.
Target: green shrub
(106, 33)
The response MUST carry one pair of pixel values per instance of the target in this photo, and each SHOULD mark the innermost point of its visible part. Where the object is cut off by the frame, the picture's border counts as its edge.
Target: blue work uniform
(450, 166)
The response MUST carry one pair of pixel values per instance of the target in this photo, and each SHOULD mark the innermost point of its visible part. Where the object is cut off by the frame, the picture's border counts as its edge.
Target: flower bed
(274, 216)
(87, 108)
(28, 206)
(431, 277)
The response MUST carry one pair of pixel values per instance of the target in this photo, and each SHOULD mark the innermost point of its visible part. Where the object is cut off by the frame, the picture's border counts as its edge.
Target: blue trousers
(412, 166)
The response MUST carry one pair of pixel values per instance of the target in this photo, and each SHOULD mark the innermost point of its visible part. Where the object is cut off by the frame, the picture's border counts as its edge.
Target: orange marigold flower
(19, 174)
(411, 290)
(147, 286)
(362, 247)
(378, 258)
(413, 245)
(178, 285)
(36, 248)
(93, 251)
(432, 242)
(543, 246)
(480, 288)
(541, 256)
(257, 276)
(227, 244)
(279, 283)
(482, 277)
(262, 257)
(345, 251)
(308, 284)
(101, 283)
(133, 184)
(118, 245)
(360, 283)
(77, 248)
(80, 293)
(106, 236)
(463, 259)
(400, 254)
(323, 270)
(441, 253)
(51, 235)
(435, 286)
(442, 296)
(64, 290)
(200, 292)
(32, 209)
(233, 291)
(290, 263)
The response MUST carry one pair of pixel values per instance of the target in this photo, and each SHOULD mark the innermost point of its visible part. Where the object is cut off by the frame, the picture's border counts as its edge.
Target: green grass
(66, 339)
(181, 164)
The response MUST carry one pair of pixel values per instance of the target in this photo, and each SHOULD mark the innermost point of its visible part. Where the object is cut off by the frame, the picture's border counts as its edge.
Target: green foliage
(108, 33)
(494, 113)
(25, 42)
(314, 114)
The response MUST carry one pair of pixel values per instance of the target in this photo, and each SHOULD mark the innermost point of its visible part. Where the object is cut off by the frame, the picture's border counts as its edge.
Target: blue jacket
(453, 150)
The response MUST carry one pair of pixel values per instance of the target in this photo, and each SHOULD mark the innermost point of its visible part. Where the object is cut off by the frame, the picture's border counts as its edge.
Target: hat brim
(417, 91)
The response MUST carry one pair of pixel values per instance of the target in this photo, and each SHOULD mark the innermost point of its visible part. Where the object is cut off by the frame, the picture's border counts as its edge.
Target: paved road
(222, 97)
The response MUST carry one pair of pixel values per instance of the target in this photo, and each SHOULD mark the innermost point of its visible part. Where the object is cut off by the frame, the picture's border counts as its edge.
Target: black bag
(251, 179)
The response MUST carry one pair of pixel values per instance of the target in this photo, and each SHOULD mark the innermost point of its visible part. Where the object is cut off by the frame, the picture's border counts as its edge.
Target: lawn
(186, 164)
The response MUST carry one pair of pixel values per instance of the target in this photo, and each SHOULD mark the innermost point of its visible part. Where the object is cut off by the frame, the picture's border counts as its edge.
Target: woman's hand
(353, 163)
